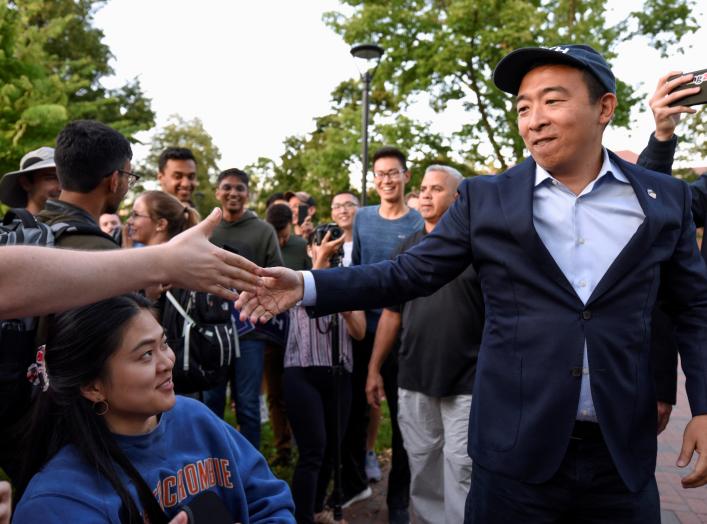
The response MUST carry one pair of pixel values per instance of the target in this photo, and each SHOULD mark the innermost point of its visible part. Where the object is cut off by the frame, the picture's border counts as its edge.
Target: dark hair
(275, 196)
(594, 87)
(279, 216)
(86, 152)
(242, 175)
(390, 152)
(163, 205)
(79, 344)
(174, 153)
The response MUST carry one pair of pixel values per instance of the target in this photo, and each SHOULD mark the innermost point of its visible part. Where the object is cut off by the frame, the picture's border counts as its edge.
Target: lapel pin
(652, 194)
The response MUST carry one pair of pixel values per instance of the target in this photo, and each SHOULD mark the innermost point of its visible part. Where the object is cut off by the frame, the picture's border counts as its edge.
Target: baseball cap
(302, 196)
(11, 192)
(514, 66)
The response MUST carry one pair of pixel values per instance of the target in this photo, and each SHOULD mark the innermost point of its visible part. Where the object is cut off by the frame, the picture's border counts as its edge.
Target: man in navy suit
(572, 248)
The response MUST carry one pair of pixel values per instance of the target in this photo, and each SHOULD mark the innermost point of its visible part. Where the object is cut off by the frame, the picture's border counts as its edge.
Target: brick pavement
(678, 505)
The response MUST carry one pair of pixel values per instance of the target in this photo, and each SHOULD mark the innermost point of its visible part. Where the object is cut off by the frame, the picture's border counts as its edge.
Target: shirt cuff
(309, 297)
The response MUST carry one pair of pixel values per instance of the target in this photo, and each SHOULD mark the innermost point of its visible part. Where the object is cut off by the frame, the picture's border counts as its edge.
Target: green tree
(52, 64)
(322, 162)
(191, 134)
(447, 49)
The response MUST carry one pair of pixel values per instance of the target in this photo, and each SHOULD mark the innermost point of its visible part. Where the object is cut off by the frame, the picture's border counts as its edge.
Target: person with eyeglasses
(343, 211)
(377, 231)
(243, 232)
(93, 165)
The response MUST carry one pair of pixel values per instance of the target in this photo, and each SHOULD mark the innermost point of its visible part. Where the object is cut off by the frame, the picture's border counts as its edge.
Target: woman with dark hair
(109, 442)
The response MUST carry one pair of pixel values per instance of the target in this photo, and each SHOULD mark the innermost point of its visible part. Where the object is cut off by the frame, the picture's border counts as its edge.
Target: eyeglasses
(133, 214)
(393, 173)
(344, 205)
(132, 177)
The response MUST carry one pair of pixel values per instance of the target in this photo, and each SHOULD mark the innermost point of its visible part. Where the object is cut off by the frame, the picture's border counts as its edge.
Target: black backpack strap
(27, 218)
(78, 228)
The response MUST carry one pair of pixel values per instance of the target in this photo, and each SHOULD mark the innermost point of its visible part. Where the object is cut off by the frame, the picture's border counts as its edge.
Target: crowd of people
(508, 316)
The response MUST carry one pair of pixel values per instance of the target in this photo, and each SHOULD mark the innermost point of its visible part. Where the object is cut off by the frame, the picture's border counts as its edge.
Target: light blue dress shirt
(584, 234)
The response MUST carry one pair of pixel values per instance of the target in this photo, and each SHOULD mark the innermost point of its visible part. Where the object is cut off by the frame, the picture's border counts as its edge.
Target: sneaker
(373, 469)
(363, 495)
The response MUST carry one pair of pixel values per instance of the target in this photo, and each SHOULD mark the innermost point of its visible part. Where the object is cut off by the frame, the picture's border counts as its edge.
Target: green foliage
(444, 51)
(449, 48)
(191, 134)
(52, 63)
(693, 135)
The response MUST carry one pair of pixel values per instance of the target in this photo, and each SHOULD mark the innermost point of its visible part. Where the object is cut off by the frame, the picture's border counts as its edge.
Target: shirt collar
(607, 166)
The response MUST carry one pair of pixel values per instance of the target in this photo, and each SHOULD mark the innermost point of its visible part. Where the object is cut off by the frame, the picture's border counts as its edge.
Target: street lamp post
(371, 54)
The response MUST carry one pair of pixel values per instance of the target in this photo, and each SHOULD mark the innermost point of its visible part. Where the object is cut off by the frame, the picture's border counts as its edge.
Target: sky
(257, 72)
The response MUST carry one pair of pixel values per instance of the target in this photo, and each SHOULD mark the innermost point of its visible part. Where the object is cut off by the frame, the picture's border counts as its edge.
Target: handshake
(274, 290)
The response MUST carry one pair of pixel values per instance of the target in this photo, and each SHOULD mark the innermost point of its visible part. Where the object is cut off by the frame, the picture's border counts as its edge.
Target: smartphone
(699, 78)
(207, 508)
(302, 213)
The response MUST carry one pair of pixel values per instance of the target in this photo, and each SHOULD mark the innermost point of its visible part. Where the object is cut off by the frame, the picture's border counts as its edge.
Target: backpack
(18, 344)
(201, 332)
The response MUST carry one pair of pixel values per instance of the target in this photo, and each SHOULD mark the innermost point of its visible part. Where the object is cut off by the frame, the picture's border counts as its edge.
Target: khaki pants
(435, 437)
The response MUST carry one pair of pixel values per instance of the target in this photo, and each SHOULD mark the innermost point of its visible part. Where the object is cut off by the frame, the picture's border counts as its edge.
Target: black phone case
(208, 508)
(699, 78)
(302, 213)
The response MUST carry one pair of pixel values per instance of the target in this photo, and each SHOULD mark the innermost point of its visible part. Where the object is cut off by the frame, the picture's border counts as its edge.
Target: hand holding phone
(699, 79)
(302, 213)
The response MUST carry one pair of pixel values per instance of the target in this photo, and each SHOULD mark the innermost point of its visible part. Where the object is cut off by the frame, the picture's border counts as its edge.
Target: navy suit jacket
(527, 383)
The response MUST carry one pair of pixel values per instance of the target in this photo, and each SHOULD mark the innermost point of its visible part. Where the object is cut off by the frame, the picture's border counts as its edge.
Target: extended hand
(281, 289)
(192, 262)
(695, 439)
(666, 117)
(375, 392)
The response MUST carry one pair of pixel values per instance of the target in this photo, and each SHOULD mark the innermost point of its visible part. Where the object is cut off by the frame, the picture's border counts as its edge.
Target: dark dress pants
(353, 445)
(586, 489)
(311, 394)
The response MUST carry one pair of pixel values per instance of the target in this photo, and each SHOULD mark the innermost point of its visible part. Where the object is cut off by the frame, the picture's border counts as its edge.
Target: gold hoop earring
(100, 407)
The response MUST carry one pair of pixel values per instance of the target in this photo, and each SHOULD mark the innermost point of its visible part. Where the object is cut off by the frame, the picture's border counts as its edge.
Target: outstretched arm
(39, 280)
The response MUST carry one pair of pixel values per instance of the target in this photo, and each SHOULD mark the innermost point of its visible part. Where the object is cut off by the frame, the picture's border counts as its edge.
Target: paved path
(678, 505)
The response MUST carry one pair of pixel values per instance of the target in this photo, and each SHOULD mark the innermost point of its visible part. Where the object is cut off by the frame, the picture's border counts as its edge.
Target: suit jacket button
(586, 314)
(576, 372)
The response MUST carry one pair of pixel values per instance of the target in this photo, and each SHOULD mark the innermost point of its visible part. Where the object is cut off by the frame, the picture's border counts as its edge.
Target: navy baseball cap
(514, 66)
